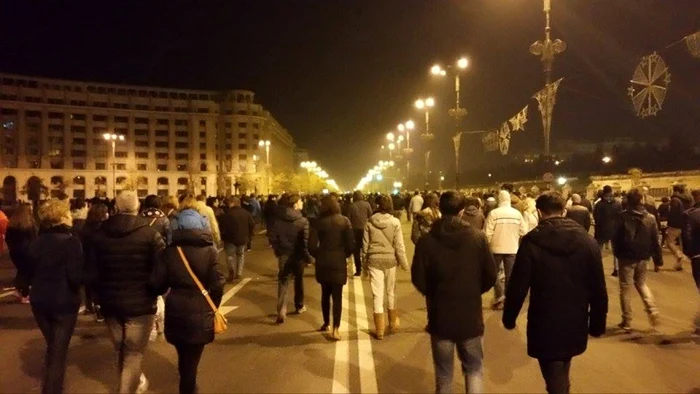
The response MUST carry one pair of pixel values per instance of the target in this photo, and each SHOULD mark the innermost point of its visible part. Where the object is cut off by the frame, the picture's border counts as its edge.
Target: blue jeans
(235, 256)
(471, 355)
(288, 269)
(507, 261)
(130, 339)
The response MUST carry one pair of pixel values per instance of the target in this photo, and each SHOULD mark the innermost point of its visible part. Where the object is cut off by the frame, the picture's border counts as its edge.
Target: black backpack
(636, 237)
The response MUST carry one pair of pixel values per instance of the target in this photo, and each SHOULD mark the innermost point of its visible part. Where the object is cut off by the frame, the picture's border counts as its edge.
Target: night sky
(340, 74)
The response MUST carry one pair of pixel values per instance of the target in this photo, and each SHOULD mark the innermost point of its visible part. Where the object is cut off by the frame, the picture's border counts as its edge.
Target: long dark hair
(97, 214)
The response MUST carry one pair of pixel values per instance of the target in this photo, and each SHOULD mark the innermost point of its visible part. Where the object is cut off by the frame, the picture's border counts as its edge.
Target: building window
(121, 119)
(99, 118)
(242, 157)
(242, 136)
(78, 129)
(203, 146)
(120, 155)
(203, 134)
(162, 133)
(55, 115)
(202, 110)
(161, 156)
(78, 153)
(242, 146)
(33, 164)
(181, 145)
(228, 146)
(161, 144)
(181, 122)
(182, 167)
(182, 134)
(203, 123)
(142, 167)
(121, 166)
(203, 167)
(141, 133)
(256, 125)
(162, 121)
(77, 116)
(56, 165)
(203, 181)
(242, 125)
(100, 166)
(181, 156)
(162, 167)
(78, 165)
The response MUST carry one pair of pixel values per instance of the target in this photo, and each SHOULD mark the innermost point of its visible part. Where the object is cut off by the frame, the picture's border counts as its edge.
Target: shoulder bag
(220, 322)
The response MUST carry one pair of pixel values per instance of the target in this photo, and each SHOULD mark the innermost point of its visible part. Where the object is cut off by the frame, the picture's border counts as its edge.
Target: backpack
(636, 237)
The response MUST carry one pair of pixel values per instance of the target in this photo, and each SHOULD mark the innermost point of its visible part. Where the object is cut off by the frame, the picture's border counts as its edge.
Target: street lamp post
(266, 144)
(408, 127)
(427, 136)
(547, 50)
(113, 138)
(457, 112)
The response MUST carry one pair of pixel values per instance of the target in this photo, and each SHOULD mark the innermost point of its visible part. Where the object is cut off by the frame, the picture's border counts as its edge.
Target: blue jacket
(190, 219)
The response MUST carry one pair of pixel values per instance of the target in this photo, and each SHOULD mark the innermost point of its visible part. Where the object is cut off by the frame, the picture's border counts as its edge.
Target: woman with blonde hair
(189, 215)
(56, 264)
(383, 250)
(170, 205)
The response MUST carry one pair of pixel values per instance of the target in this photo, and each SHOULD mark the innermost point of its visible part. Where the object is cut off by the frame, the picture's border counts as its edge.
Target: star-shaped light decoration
(518, 121)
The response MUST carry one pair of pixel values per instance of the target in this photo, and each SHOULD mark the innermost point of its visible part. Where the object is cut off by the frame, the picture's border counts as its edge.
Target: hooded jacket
(331, 242)
(383, 245)
(237, 226)
(606, 214)
(452, 267)
(517, 203)
(188, 316)
(423, 223)
(189, 218)
(290, 236)
(561, 266)
(474, 216)
(623, 251)
(679, 204)
(126, 257)
(158, 220)
(359, 213)
(504, 226)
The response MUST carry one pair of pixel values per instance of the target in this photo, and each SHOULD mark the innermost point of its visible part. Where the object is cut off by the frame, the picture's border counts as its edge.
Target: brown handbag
(220, 322)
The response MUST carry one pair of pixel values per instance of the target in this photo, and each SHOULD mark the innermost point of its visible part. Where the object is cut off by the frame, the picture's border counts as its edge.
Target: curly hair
(55, 212)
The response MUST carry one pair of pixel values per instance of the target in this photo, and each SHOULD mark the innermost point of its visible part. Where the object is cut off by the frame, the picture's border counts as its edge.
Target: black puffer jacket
(237, 226)
(159, 221)
(331, 242)
(18, 241)
(679, 204)
(691, 232)
(453, 266)
(55, 270)
(128, 270)
(561, 266)
(606, 214)
(474, 216)
(188, 316)
(290, 236)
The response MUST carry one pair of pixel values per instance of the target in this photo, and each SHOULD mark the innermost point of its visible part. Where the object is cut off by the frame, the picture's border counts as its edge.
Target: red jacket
(3, 229)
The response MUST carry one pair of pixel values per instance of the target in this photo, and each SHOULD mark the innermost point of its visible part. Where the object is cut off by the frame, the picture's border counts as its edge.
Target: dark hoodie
(452, 267)
(561, 266)
(127, 265)
(290, 236)
(474, 216)
(679, 204)
(606, 213)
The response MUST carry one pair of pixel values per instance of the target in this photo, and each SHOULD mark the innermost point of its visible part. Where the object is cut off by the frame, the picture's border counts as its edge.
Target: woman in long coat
(331, 242)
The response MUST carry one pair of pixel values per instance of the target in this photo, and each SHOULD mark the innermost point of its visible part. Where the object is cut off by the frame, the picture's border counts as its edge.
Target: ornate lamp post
(457, 112)
(113, 138)
(408, 127)
(547, 50)
(426, 136)
(266, 144)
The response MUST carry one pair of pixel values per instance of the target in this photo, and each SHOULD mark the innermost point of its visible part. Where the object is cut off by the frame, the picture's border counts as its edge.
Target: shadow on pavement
(277, 340)
(506, 350)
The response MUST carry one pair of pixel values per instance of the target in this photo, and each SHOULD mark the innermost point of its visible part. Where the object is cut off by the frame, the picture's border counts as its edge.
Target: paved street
(256, 355)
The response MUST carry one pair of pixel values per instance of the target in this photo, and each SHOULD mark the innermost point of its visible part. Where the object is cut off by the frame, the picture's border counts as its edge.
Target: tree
(34, 189)
(282, 182)
(248, 182)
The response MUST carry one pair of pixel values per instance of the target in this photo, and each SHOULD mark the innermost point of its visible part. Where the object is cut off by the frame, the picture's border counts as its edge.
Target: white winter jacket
(504, 226)
(383, 245)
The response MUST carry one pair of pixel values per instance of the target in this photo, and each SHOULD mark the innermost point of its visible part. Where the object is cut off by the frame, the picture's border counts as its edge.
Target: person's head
(212, 202)
(635, 198)
(696, 195)
(127, 202)
(417, 192)
(233, 202)
(550, 204)
(329, 206)
(78, 203)
(607, 189)
(357, 196)
(508, 187)
(152, 202)
(384, 204)
(576, 198)
(97, 213)
(295, 202)
(55, 212)
(188, 202)
(431, 201)
(665, 200)
(471, 202)
(451, 203)
(680, 189)
(22, 218)
(170, 204)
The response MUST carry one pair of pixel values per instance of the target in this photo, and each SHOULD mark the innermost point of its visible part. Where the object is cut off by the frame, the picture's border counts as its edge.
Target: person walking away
(515, 200)
(452, 267)
(663, 212)
(691, 244)
(489, 205)
(127, 261)
(248, 206)
(358, 213)
(209, 214)
(97, 214)
(416, 204)
(331, 242)
(635, 241)
(270, 211)
(424, 219)
(290, 242)
(21, 231)
(605, 215)
(237, 226)
(55, 275)
(382, 251)
(397, 202)
(561, 266)
(407, 206)
(189, 320)
(78, 212)
(504, 227)
(530, 214)
(473, 214)
(680, 202)
(578, 213)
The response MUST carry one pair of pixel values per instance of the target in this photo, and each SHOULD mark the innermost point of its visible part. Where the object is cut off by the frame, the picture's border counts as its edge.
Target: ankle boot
(335, 335)
(379, 325)
(393, 321)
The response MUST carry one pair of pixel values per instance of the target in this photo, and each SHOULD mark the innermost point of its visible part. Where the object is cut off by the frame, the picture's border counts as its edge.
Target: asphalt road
(256, 355)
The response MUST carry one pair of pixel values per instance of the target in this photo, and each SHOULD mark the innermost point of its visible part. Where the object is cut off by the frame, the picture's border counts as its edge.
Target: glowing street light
(561, 181)
(607, 159)
(113, 138)
(463, 63)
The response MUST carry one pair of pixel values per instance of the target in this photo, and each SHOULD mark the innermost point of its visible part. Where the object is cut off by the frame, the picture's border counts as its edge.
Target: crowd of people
(138, 266)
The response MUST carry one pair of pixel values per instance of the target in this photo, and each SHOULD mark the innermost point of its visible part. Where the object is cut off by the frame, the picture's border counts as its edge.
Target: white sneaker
(143, 385)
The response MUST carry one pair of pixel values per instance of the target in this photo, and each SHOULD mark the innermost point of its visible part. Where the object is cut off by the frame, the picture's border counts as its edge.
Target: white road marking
(341, 367)
(368, 375)
(7, 293)
(229, 294)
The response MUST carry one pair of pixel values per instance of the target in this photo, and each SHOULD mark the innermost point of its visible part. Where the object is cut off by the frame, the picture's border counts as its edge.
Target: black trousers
(357, 253)
(57, 331)
(336, 292)
(556, 375)
(188, 357)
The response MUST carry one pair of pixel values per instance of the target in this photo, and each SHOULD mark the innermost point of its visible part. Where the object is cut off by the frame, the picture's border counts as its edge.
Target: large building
(167, 140)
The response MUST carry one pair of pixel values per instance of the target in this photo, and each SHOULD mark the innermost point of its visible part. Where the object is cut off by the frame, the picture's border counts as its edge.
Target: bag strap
(196, 280)
(152, 222)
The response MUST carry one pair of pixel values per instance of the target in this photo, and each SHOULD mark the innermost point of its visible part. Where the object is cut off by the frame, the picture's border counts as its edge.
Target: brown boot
(379, 325)
(335, 335)
(394, 322)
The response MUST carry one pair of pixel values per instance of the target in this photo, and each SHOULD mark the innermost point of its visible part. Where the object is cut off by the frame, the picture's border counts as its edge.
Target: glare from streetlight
(400, 139)
(556, 163)
(489, 175)
(607, 159)
(462, 63)
(379, 177)
(561, 181)
(261, 143)
(436, 70)
(430, 102)
(390, 137)
(391, 163)
(401, 127)
(442, 178)
(420, 104)
(410, 125)
(443, 73)
(392, 146)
